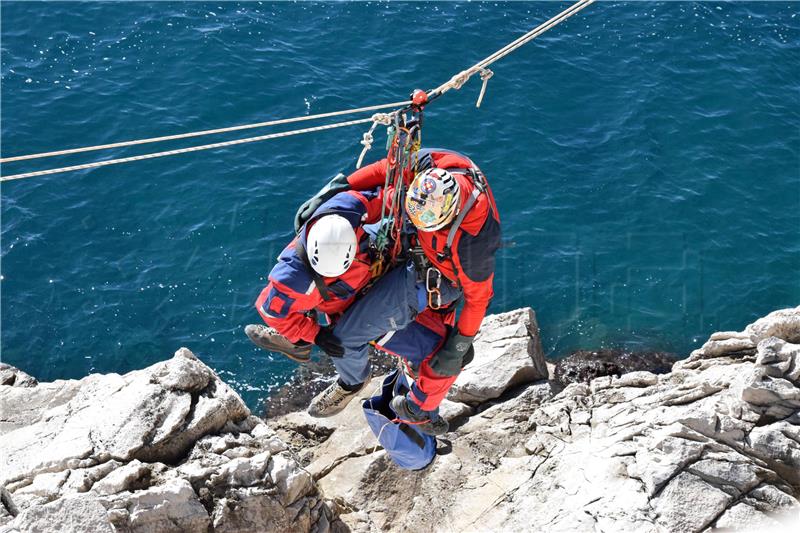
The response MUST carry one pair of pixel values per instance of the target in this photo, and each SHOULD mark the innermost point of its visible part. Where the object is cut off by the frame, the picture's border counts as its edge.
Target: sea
(645, 158)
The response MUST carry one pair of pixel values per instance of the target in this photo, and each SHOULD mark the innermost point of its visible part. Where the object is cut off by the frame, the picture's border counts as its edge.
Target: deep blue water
(645, 158)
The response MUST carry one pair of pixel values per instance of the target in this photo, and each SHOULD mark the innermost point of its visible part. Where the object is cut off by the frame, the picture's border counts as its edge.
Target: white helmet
(331, 245)
(432, 199)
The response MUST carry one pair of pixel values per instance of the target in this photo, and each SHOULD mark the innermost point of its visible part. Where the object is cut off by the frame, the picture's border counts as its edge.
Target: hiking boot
(428, 422)
(267, 338)
(333, 400)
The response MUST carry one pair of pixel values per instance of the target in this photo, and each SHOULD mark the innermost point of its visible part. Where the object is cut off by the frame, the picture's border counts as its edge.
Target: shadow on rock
(311, 378)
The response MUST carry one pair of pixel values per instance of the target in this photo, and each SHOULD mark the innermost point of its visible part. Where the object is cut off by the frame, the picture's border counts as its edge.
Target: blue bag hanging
(408, 447)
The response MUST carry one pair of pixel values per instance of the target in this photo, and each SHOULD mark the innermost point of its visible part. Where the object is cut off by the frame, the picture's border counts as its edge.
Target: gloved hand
(336, 185)
(329, 343)
(450, 358)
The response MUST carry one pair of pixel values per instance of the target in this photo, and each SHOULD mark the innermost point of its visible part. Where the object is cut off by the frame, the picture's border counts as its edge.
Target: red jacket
(291, 293)
(478, 237)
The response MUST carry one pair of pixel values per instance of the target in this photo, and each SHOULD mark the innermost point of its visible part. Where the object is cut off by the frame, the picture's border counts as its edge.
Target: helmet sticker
(428, 185)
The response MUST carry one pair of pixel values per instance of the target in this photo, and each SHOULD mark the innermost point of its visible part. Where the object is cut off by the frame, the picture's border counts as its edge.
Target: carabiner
(435, 299)
(434, 294)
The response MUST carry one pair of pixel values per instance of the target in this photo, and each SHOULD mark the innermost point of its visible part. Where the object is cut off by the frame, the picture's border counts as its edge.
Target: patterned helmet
(432, 199)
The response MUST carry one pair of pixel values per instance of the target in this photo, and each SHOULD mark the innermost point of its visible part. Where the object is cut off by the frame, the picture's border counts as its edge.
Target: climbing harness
(419, 99)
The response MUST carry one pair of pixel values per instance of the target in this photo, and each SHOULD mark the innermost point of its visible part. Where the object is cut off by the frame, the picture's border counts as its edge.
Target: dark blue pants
(389, 306)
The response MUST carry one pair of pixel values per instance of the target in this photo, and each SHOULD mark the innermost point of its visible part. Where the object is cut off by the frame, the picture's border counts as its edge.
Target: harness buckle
(433, 282)
(420, 260)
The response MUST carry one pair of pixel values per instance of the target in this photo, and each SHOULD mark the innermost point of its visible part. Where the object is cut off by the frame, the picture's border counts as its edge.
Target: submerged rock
(585, 365)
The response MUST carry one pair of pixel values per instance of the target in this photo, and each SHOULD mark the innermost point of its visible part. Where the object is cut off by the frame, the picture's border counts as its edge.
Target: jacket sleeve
(477, 295)
(474, 258)
(357, 207)
(368, 177)
(284, 310)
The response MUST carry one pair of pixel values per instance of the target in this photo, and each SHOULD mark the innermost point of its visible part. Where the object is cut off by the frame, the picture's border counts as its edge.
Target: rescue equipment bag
(408, 447)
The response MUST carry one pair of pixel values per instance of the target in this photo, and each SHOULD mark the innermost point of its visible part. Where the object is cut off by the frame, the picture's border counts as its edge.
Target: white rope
(185, 150)
(485, 75)
(457, 81)
(204, 132)
(367, 139)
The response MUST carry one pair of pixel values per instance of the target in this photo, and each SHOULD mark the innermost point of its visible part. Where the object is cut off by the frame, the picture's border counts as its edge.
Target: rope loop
(368, 138)
(486, 74)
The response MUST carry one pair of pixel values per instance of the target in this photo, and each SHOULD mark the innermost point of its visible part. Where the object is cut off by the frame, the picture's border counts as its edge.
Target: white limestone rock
(698, 448)
(508, 352)
(713, 444)
(72, 514)
(14, 377)
(454, 410)
(167, 448)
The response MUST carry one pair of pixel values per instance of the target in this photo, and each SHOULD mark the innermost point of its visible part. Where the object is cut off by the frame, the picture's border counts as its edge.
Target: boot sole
(298, 358)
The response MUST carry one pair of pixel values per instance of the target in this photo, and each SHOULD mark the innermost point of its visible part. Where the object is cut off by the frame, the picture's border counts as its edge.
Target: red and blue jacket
(471, 263)
(291, 293)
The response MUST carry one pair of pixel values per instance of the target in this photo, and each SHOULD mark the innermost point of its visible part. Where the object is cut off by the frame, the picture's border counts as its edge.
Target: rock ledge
(713, 444)
(167, 448)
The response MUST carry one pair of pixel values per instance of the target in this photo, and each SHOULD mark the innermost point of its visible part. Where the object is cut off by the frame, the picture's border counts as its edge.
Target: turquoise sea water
(645, 158)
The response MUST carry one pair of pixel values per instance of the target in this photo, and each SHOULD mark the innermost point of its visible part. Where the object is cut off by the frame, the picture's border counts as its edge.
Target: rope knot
(382, 118)
(460, 79)
(367, 140)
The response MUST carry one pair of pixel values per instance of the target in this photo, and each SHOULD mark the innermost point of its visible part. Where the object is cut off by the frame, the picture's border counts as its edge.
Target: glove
(336, 185)
(450, 358)
(329, 343)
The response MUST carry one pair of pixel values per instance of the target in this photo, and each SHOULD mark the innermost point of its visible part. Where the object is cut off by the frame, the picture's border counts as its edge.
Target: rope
(486, 74)
(204, 132)
(457, 81)
(185, 150)
(367, 139)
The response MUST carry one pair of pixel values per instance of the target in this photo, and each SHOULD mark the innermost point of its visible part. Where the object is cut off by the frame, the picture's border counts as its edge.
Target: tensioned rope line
(456, 82)
(185, 150)
(462, 77)
(204, 132)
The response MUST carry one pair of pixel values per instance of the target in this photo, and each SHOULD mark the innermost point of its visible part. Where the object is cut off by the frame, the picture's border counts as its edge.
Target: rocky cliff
(167, 448)
(715, 443)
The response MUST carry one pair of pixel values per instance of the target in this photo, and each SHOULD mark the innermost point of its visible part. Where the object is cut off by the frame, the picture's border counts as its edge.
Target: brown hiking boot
(268, 339)
(333, 400)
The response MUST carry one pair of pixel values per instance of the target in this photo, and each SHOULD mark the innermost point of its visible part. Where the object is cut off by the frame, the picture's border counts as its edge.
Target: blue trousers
(390, 305)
